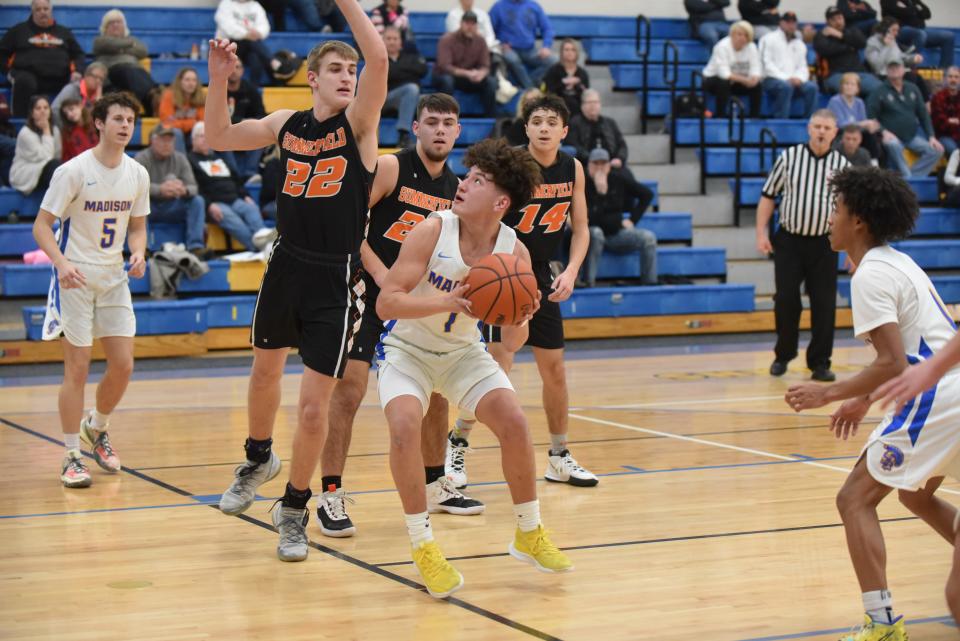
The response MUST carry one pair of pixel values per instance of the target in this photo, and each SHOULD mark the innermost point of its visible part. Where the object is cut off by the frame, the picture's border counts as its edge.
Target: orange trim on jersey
(424, 201)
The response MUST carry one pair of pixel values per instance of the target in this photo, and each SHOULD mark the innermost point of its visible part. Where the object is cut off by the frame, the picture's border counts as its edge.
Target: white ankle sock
(558, 443)
(879, 605)
(99, 421)
(528, 515)
(418, 527)
(462, 428)
(72, 441)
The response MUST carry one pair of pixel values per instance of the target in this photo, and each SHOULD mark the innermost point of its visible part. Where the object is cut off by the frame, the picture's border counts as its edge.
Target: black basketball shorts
(371, 327)
(546, 326)
(313, 302)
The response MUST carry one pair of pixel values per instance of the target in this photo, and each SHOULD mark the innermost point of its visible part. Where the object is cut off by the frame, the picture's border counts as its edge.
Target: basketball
(502, 289)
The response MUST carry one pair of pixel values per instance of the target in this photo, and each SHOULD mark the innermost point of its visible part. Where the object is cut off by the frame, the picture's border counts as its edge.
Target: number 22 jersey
(323, 199)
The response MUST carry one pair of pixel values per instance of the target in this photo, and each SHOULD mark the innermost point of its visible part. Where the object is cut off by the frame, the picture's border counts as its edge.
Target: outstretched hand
(221, 59)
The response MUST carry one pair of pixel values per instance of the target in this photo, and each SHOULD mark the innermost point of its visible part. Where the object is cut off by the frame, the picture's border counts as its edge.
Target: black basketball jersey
(415, 196)
(539, 224)
(324, 193)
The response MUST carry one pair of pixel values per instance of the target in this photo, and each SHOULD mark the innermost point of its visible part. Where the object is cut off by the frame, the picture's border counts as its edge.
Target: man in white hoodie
(245, 22)
(734, 67)
(785, 71)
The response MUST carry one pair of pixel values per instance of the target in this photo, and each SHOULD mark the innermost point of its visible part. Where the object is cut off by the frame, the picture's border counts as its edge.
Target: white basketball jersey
(448, 331)
(888, 287)
(94, 204)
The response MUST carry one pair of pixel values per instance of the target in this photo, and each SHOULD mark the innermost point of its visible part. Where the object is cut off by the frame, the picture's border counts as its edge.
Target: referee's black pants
(797, 259)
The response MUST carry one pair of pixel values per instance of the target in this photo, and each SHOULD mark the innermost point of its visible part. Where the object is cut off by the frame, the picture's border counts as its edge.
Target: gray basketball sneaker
(291, 523)
(247, 478)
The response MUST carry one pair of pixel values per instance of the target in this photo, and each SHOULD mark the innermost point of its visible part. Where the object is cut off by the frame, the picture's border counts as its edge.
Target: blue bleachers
(717, 132)
(604, 50)
(671, 261)
(947, 286)
(722, 161)
(928, 254)
(153, 318)
(16, 240)
(938, 222)
(925, 188)
(655, 301)
(669, 226)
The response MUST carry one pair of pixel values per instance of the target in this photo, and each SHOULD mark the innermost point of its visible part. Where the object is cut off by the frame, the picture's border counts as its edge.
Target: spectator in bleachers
(859, 15)
(406, 71)
(517, 24)
(951, 179)
(764, 15)
(734, 67)
(245, 22)
(463, 63)
(181, 105)
(87, 90)
(316, 15)
(173, 189)
(945, 112)
(913, 16)
(484, 26)
(567, 78)
(38, 150)
(590, 129)
(851, 146)
(849, 109)
(882, 47)
(8, 141)
(244, 103)
(39, 56)
(785, 70)
(838, 47)
(227, 202)
(610, 195)
(707, 21)
(77, 130)
(515, 129)
(121, 53)
(899, 107)
(392, 14)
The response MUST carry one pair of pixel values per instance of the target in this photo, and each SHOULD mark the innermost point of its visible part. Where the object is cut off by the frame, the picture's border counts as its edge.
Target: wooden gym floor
(714, 518)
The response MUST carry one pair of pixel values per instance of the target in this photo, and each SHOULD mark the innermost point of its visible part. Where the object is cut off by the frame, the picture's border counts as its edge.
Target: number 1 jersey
(323, 199)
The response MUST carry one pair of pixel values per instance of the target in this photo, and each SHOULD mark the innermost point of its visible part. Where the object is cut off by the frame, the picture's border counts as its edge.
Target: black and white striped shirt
(803, 179)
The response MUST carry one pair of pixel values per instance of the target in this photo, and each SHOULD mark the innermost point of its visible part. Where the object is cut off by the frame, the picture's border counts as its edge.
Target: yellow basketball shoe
(874, 631)
(441, 578)
(535, 547)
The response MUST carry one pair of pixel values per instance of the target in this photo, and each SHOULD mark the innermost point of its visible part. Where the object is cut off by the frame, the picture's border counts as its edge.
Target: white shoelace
(335, 506)
(457, 457)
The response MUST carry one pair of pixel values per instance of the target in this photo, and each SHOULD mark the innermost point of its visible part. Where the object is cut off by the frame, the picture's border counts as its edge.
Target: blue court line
(817, 633)
(631, 470)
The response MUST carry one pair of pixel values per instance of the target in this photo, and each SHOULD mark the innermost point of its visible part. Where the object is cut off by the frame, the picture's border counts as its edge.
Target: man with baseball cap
(173, 189)
(839, 49)
(785, 72)
(905, 122)
(463, 62)
(615, 203)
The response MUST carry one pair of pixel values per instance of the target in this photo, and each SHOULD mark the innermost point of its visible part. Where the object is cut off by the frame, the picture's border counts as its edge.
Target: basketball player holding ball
(409, 185)
(433, 343)
(539, 224)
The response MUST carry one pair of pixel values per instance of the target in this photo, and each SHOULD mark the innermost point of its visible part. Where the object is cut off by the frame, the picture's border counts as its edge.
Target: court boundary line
(465, 605)
(727, 446)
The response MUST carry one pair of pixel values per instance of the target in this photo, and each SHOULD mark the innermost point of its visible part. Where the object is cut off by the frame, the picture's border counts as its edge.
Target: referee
(801, 246)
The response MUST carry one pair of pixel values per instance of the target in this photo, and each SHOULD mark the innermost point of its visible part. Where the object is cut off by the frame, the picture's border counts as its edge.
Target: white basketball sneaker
(563, 468)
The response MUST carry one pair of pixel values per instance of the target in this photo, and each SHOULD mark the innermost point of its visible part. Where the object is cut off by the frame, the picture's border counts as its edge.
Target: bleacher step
(648, 149)
(681, 178)
(712, 209)
(627, 116)
(740, 242)
(757, 271)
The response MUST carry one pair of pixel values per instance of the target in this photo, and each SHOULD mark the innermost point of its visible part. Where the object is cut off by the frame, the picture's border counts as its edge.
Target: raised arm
(364, 111)
(220, 133)
(395, 300)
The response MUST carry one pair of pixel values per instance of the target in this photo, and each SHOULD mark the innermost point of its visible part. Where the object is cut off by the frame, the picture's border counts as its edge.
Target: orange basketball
(502, 289)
